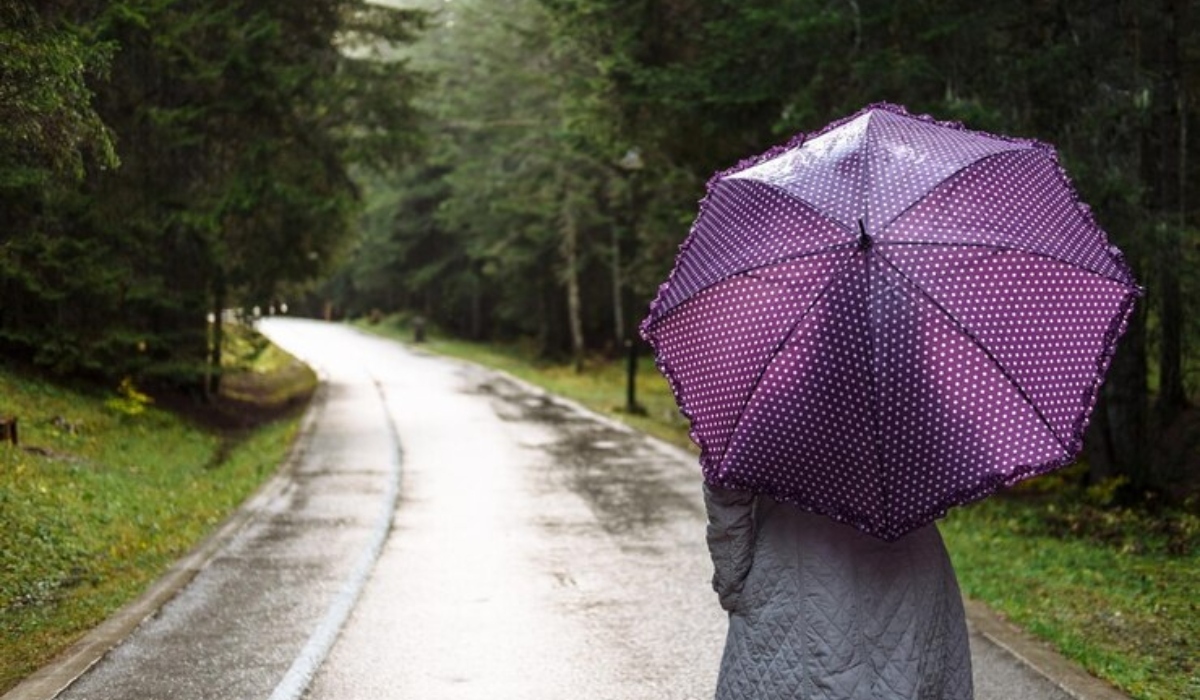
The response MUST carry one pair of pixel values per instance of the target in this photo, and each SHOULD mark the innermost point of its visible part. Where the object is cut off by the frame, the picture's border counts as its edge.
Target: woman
(819, 610)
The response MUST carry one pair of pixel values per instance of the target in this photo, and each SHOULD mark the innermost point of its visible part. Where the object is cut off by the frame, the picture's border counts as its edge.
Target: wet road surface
(447, 532)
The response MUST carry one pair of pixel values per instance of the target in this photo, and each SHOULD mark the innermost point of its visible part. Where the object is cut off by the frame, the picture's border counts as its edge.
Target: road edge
(56, 676)
(1038, 655)
(50, 680)
(320, 642)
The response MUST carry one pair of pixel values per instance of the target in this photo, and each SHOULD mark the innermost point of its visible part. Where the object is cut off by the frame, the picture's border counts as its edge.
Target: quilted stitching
(826, 613)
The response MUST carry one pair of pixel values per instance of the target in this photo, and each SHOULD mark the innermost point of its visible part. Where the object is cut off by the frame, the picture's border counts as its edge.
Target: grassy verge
(1116, 590)
(260, 376)
(103, 494)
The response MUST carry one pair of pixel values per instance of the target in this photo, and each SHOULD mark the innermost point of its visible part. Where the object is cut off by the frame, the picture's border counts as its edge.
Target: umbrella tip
(864, 241)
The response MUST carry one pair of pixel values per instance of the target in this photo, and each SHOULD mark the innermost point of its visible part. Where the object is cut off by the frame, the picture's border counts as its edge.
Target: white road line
(319, 644)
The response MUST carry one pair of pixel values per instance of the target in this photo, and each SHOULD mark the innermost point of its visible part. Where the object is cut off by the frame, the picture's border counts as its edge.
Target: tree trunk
(1171, 396)
(1171, 185)
(477, 332)
(570, 248)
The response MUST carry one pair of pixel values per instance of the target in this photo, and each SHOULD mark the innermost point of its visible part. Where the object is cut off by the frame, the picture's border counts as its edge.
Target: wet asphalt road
(446, 532)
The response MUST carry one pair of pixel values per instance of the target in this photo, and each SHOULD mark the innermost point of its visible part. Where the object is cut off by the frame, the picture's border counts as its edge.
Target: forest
(526, 169)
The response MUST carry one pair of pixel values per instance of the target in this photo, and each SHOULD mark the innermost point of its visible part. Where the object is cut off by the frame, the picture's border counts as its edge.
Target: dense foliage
(527, 219)
(163, 160)
(527, 168)
(167, 159)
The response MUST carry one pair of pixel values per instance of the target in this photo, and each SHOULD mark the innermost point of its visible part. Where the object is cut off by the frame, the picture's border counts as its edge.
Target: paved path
(447, 532)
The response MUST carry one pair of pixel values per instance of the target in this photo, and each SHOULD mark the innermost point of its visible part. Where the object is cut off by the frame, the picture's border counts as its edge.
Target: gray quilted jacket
(819, 611)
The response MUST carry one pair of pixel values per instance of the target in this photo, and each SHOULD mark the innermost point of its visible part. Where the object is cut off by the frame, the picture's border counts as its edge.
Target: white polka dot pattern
(725, 335)
(747, 225)
(833, 172)
(890, 318)
(1009, 201)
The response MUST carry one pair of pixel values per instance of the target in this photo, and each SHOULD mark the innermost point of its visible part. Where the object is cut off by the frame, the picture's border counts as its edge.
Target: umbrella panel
(878, 410)
(807, 432)
(1015, 200)
(747, 225)
(1045, 324)
(715, 346)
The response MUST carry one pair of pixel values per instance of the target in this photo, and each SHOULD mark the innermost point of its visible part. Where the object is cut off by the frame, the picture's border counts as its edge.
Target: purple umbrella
(890, 317)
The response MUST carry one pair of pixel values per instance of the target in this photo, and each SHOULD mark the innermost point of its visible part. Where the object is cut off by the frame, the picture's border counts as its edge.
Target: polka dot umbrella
(890, 317)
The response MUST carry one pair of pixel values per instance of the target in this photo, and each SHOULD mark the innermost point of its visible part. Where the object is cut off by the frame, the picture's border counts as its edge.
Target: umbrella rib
(983, 348)
(943, 181)
(869, 241)
(750, 272)
(1009, 249)
(873, 392)
(795, 256)
(780, 346)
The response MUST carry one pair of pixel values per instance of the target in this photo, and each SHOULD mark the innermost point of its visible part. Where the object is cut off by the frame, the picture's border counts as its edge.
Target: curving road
(444, 531)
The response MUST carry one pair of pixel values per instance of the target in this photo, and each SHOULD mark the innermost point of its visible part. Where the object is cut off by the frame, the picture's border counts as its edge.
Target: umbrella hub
(864, 241)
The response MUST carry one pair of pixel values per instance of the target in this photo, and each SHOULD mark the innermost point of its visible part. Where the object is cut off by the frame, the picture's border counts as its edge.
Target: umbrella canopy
(890, 317)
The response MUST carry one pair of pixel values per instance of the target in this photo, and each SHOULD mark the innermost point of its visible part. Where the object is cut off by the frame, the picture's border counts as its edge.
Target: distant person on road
(821, 611)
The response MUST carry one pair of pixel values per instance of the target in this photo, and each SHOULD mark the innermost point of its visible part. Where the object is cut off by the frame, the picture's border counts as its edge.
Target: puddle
(614, 470)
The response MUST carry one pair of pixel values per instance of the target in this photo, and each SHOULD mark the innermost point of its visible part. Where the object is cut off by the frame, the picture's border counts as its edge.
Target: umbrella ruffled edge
(896, 529)
(984, 489)
(891, 532)
(798, 140)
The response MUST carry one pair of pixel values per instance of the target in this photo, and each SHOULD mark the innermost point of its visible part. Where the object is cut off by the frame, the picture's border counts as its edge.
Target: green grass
(1118, 591)
(259, 374)
(104, 493)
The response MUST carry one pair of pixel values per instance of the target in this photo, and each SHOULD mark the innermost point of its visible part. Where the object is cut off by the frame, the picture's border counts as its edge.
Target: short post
(631, 404)
(8, 429)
